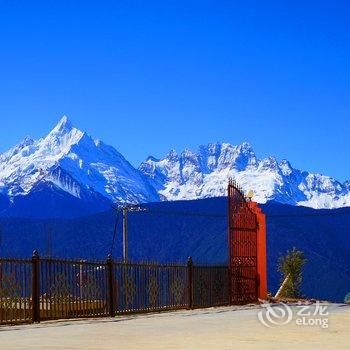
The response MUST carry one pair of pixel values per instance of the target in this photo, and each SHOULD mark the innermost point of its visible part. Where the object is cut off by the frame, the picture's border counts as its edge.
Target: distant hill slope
(162, 234)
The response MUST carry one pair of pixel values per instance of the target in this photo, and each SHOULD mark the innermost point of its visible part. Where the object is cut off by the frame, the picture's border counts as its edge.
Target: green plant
(291, 267)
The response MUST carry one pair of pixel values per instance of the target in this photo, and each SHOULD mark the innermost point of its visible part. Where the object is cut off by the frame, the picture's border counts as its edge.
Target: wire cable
(225, 216)
(114, 231)
(181, 213)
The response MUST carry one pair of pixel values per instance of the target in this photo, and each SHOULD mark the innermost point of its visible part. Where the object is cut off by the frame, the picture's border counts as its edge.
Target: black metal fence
(16, 302)
(45, 289)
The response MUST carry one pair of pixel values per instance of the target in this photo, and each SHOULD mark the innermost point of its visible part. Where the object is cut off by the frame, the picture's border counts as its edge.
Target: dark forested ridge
(172, 231)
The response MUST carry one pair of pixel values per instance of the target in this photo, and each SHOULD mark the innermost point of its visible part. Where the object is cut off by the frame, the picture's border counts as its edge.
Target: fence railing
(44, 289)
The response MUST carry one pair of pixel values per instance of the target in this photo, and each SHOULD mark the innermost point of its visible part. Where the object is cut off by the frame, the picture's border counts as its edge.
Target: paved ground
(220, 328)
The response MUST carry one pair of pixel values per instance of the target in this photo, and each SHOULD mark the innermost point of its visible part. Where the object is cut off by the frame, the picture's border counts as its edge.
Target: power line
(115, 230)
(225, 216)
(186, 213)
(125, 209)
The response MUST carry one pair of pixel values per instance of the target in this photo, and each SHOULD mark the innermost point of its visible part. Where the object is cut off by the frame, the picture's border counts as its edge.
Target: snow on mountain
(74, 162)
(205, 173)
(69, 162)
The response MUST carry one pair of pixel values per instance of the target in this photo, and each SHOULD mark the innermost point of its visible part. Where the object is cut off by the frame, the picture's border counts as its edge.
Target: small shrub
(291, 267)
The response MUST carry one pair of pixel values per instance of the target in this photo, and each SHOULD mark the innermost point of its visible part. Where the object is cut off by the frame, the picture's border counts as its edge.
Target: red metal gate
(242, 244)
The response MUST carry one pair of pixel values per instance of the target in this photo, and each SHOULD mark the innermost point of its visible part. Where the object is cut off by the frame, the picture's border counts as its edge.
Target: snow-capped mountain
(204, 174)
(68, 173)
(69, 160)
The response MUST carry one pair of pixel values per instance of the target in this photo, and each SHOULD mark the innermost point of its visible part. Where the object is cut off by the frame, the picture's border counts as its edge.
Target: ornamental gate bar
(242, 246)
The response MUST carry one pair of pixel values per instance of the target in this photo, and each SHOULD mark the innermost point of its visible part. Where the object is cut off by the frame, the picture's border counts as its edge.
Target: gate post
(190, 282)
(35, 287)
(229, 240)
(110, 284)
(247, 247)
(261, 251)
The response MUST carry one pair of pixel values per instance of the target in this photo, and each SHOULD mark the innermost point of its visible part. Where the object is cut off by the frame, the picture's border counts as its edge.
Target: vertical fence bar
(56, 288)
(190, 282)
(110, 284)
(35, 287)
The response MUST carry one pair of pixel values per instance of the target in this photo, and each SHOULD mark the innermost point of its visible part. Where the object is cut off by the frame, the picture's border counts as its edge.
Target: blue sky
(148, 76)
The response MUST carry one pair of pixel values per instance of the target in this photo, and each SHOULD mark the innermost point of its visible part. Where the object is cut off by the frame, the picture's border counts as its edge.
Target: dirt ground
(216, 328)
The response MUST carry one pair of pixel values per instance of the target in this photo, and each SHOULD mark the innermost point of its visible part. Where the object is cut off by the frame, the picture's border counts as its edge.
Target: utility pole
(125, 234)
(125, 210)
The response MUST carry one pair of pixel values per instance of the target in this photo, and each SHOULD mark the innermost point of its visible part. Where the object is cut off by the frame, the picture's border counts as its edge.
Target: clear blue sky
(148, 76)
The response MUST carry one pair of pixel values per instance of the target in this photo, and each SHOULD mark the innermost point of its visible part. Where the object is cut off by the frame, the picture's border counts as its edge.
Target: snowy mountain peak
(63, 135)
(75, 163)
(26, 141)
(245, 147)
(64, 124)
(71, 162)
(172, 155)
(225, 155)
(285, 167)
(204, 174)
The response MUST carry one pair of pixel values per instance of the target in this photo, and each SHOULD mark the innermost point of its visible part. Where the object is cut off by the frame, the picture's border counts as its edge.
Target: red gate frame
(246, 247)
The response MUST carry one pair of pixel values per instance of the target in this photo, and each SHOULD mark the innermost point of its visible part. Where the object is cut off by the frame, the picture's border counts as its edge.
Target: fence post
(190, 282)
(110, 284)
(35, 287)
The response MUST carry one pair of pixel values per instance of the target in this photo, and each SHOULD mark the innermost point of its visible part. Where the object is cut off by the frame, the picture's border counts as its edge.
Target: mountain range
(68, 173)
(56, 193)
